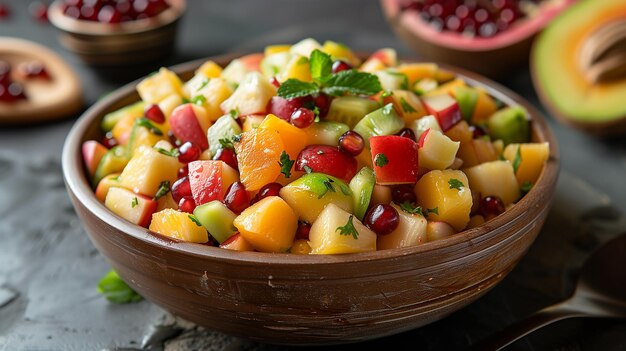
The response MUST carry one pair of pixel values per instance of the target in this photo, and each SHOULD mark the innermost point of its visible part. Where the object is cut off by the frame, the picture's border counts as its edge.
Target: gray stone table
(49, 268)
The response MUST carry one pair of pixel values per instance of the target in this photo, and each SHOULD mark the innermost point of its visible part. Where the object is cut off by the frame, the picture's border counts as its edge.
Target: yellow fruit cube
(418, 71)
(269, 225)
(275, 49)
(251, 96)
(215, 92)
(447, 88)
(437, 150)
(252, 122)
(159, 86)
(341, 52)
(447, 197)
(134, 208)
(147, 169)
(495, 178)
(297, 68)
(408, 104)
(532, 157)
(210, 69)
(411, 231)
(166, 201)
(336, 231)
(300, 247)
(485, 107)
(294, 138)
(178, 225)
(121, 130)
(168, 105)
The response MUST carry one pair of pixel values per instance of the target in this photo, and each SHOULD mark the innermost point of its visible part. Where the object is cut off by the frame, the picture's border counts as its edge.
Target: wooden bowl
(309, 299)
(133, 42)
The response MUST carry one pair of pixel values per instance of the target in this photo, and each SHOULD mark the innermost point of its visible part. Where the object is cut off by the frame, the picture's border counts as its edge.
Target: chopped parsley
(195, 220)
(285, 164)
(381, 160)
(135, 202)
(198, 100)
(517, 161)
(226, 143)
(406, 107)
(173, 153)
(164, 188)
(328, 185)
(455, 184)
(348, 229)
(115, 290)
(144, 122)
(234, 114)
(409, 208)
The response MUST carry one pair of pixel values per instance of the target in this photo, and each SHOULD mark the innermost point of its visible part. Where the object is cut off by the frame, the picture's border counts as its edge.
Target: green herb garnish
(455, 184)
(195, 220)
(517, 161)
(405, 80)
(234, 114)
(328, 184)
(381, 160)
(164, 188)
(144, 122)
(285, 164)
(293, 88)
(348, 229)
(135, 202)
(236, 138)
(116, 290)
(409, 208)
(321, 65)
(198, 100)
(172, 153)
(226, 143)
(406, 107)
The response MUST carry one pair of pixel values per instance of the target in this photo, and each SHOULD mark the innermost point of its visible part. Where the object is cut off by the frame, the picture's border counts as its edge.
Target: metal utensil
(600, 292)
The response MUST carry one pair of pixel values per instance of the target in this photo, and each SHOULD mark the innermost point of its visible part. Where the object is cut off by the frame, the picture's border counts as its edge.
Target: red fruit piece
(302, 117)
(186, 127)
(4, 11)
(284, 108)
(188, 152)
(207, 182)
(351, 143)
(153, 112)
(395, 159)
(181, 188)
(339, 66)
(271, 189)
(227, 156)
(237, 198)
(328, 160)
(303, 230)
(444, 108)
(186, 204)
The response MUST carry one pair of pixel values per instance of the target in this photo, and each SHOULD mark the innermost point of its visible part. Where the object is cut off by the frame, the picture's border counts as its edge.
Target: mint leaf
(293, 88)
(285, 164)
(517, 161)
(352, 82)
(455, 184)
(116, 290)
(348, 229)
(321, 65)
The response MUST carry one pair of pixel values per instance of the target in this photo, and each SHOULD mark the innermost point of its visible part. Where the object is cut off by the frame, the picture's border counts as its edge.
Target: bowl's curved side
(291, 299)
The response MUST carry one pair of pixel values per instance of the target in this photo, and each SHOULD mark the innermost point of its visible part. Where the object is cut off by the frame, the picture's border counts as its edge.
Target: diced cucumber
(362, 186)
(384, 121)
(326, 132)
(225, 127)
(466, 97)
(113, 161)
(217, 219)
(110, 119)
(510, 124)
(350, 109)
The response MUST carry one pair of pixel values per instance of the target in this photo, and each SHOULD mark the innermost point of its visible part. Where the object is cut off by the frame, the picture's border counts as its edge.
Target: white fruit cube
(411, 231)
(305, 47)
(147, 169)
(436, 151)
(160, 85)
(494, 178)
(336, 231)
(132, 207)
(252, 95)
(423, 124)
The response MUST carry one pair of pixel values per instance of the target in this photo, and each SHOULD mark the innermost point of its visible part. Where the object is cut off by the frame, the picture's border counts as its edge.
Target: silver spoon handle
(523, 327)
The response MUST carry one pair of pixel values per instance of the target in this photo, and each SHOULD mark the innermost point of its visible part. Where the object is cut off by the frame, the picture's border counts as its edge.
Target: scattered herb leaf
(226, 143)
(434, 210)
(198, 100)
(405, 80)
(321, 65)
(173, 153)
(204, 83)
(164, 188)
(144, 122)
(517, 161)
(285, 164)
(409, 208)
(349, 229)
(455, 184)
(234, 114)
(135, 202)
(195, 220)
(381, 160)
(293, 88)
(316, 112)
(328, 183)
(352, 82)
(236, 138)
(406, 107)
(115, 290)
(185, 100)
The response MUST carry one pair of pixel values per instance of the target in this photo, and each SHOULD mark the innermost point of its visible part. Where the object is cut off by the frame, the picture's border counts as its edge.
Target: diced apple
(305, 47)
(135, 208)
(269, 225)
(93, 152)
(439, 230)
(215, 92)
(252, 61)
(210, 179)
(217, 219)
(189, 122)
(105, 184)
(178, 225)
(446, 196)
(532, 157)
(294, 139)
(251, 96)
(444, 108)
(309, 194)
(395, 159)
(147, 169)
(408, 104)
(338, 232)
(494, 178)
(159, 86)
(411, 231)
(237, 243)
(113, 161)
(421, 125)
(238, 68)
(387, 56)
(436, 151)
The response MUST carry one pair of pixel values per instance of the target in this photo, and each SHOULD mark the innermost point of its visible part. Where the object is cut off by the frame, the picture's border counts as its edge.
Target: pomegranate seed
(477, 131)
(4, 11)
(32, 69)
(302, 117)
(108, 14)
(173, 139)
(271, 189)
(188, 152)
(284, 108)
(275, 82)
(340, 65)
(237, 198)
(186, 204)
(153, 112)
(183, 171)
(382, 219)
(407, 133)
(351, 143)
(72, 12)
(322, 101)
(227, 156)
(403, 193)
(491, 206)
(303, 230)
(180, 189)
(39, 11)
(109, 140)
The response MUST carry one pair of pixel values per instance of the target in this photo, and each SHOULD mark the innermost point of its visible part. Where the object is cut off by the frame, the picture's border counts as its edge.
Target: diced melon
(237, 243)
(341, 52)
(235, 71)
(532, 157)
(417, 71)
(134, 208)
(215, 92)
(159, 86)
(300, 247)
(269, 225)
(141, 136)
(390, 79)
(350, 109)
(251, 96)
(166, 201)
(411, 231)
(326, 235)
(436, 151)
(178, 225)
(460, 132)
(217, 219)
(105, 184)
(210, 69)
(252, 122)
(147, 169)
(408, 104)
(494, 178)
(485, 107)
(305, 47)
(448, 192)
(309, 194)
(294, 139)
(297, 68)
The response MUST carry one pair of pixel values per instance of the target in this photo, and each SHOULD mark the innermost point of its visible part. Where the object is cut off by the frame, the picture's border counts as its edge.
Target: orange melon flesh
(556, 67)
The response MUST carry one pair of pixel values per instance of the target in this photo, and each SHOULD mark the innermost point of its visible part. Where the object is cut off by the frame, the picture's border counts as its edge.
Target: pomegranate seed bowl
(307, 299)
(117, 33)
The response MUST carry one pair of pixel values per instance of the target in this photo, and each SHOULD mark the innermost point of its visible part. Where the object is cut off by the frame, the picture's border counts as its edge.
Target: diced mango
(532, 157)
(300, 247)
(159, 86)
(275, 49)
(341, 52)
(237, 243)
(485, 107)
(216, 91)
(252, 122)
(297, 68)
(147, 169)
(294, 139)
(258, 154)
(269, 225)
(411, 231)
(418, 71)
(338, 232)
(210, 69)
(408, 104)
(121, 130)
(448, 192)
(460, 132)
(178, 225)
(495, 178)
(134, 208)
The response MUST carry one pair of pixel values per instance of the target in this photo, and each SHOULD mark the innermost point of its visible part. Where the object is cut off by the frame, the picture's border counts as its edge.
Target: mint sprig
(116, 290)
(321, 65)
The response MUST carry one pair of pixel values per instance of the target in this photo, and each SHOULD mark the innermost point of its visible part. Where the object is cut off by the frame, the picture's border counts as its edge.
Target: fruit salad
(307, 149)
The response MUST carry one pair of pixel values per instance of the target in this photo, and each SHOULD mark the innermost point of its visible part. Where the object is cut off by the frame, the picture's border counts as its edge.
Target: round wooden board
(57, 98)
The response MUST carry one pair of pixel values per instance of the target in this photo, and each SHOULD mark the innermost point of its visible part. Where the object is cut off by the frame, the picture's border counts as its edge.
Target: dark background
(49, 269)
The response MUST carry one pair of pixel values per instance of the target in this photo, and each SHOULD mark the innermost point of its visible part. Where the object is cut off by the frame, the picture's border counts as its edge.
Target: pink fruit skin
(422, 139)
(447, 116)
(401, 153)
(92, 154)
(205, 179)
(252, 61)
(151, 207)
(327, 159)
(185, 126)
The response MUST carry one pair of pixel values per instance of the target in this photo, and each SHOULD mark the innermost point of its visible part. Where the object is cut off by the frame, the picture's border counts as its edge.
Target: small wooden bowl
(133, 42)
(310, 299)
